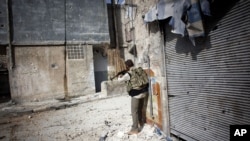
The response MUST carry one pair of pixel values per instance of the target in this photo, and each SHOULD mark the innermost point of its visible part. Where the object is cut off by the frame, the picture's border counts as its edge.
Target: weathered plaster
(149, 43)
(39, 74)
(80, 73)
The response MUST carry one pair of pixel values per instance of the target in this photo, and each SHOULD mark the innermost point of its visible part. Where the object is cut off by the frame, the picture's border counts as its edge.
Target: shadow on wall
(184, 46)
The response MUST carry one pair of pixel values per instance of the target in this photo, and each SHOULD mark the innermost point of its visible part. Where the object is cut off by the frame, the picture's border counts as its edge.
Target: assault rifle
(119, 73)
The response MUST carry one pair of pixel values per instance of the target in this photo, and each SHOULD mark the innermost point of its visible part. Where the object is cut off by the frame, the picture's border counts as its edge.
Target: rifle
(119, 73)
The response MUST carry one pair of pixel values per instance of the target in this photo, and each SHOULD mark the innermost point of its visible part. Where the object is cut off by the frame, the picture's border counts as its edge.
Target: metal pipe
(115, 23)
(11, 53)
(66, 93)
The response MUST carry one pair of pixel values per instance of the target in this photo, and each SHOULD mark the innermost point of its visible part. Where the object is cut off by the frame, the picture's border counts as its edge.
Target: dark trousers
(138, 110)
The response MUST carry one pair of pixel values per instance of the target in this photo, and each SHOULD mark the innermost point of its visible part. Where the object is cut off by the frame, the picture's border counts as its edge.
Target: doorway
(4, 76)
(100, 66)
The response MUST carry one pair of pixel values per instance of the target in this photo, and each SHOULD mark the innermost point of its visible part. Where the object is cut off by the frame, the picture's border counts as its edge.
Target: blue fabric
(205, 7)
(194, 13)
(190, 10)
(180, 7)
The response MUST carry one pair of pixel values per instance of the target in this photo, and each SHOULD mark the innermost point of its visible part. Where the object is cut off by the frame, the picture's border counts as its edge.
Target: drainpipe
(66, 93)
(132, 21)
(11, 52)
(115, 23)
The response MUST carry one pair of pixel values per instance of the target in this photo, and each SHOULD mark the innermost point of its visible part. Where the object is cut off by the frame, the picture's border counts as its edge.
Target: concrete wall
(113, 88)
(43, 72)
(80, 73)
(39, 74)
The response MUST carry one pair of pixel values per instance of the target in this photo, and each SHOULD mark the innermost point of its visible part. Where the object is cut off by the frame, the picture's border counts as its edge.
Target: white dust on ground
(107, 119)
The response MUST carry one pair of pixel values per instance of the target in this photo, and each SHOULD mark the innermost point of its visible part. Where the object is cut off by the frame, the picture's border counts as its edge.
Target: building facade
(198, 63)
(48, 47)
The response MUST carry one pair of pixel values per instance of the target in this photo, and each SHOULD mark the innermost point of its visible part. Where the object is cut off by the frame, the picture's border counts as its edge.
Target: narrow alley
(60, 61)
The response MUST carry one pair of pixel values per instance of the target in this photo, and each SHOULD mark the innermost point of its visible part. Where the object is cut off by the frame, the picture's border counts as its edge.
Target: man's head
(129, 63)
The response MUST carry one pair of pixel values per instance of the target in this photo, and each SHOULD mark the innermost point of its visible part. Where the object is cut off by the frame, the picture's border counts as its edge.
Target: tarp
(162, 10)
(186, 15)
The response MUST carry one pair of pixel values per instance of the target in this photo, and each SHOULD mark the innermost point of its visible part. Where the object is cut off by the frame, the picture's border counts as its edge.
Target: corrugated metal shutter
(210, 91)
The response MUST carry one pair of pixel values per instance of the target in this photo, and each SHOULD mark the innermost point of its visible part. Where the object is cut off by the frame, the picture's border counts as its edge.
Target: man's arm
(118, 74)
(124, 77)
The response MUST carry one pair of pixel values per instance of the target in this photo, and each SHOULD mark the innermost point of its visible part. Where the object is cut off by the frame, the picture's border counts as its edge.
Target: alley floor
(99, 120)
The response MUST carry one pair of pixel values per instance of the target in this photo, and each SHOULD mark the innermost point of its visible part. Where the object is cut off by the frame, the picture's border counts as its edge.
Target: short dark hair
(129, 63)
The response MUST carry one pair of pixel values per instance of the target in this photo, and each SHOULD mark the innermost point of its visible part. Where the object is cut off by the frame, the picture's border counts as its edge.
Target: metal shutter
(210, 90)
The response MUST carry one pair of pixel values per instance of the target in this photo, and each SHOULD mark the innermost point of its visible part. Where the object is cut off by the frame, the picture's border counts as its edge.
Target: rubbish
(107, 123)
(157, 131)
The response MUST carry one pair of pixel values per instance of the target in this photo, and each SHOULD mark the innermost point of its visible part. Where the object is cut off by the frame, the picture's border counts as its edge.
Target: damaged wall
(45, 41)
(80, 72)
(38, 73)
(206, 76)
(149, 43)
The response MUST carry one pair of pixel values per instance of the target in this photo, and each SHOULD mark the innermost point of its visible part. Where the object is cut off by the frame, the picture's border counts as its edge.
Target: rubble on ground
(104, 120)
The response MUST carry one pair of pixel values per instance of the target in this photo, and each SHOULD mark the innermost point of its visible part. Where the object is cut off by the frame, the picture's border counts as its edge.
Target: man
(138, 98)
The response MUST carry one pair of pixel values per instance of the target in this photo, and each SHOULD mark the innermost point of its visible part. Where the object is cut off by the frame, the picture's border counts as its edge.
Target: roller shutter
(209, 88)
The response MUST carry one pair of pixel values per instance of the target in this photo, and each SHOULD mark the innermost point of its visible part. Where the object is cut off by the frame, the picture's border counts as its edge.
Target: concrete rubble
(83, 118)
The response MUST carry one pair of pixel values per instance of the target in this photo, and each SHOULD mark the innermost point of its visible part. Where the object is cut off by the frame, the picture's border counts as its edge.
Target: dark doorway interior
(100, 66)
(4, 76)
